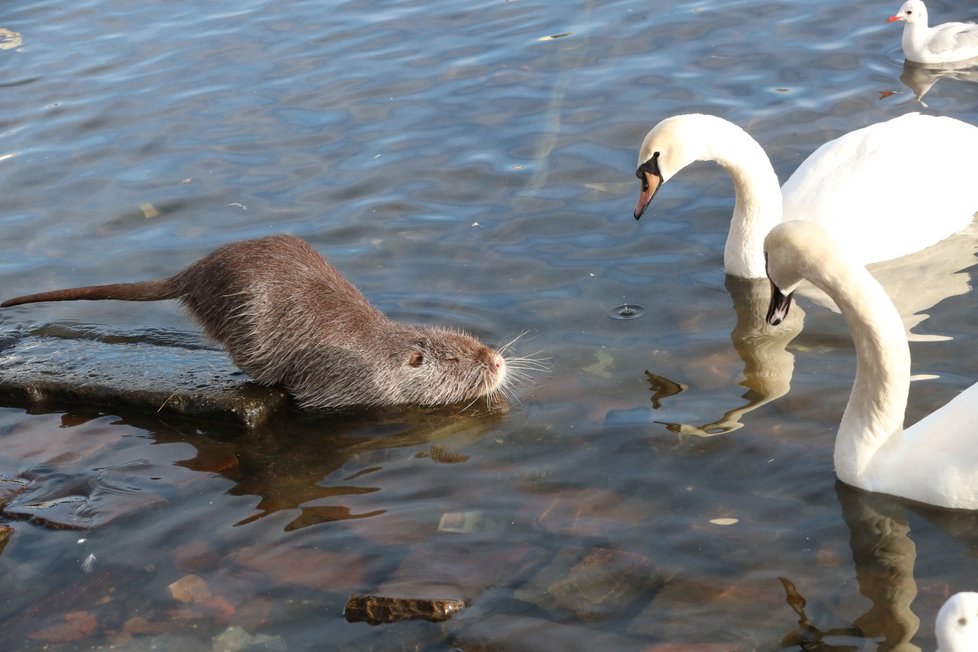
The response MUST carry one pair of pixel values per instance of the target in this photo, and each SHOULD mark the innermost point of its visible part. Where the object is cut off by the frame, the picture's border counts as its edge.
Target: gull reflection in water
(920, 78)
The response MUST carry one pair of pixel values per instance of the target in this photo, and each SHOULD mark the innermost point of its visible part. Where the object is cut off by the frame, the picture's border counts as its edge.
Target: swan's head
(790, 250)
(670, 146)
(957, 623)
(912, 11)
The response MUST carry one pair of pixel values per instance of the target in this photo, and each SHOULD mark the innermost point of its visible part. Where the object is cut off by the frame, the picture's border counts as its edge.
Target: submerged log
(378, 610)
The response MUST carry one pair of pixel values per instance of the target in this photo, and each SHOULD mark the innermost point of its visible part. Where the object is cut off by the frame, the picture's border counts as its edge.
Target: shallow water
(463, 168)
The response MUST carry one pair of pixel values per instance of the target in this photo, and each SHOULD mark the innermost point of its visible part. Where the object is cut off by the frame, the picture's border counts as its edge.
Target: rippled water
(460, 167)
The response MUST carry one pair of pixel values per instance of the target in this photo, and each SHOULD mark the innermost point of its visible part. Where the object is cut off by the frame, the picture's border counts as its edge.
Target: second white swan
(936, 460)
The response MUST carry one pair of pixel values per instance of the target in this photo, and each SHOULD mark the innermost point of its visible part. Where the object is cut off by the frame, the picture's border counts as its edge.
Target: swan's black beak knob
(777, 310)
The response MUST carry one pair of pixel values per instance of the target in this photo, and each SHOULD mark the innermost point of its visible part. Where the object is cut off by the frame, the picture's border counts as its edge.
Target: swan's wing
(889, 189)
(951, 427)
(950, 37)
(934, 461)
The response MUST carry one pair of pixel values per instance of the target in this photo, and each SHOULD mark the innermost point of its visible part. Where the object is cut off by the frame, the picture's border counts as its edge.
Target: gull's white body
(944, 43)
(957, 624)
(886, 190)
(935, 461)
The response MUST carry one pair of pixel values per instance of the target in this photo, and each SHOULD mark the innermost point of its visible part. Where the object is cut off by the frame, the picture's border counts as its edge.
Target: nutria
(289, 318)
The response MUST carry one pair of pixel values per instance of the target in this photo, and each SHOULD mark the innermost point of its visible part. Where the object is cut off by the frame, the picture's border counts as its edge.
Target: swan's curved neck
(875, 411)
(757, 208)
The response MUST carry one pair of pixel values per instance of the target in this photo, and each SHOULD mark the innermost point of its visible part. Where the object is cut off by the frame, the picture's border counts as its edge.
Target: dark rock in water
(148, 373)
(319, 569)
(520, 633)
(377, 610)
(463, 567)
(592, 584)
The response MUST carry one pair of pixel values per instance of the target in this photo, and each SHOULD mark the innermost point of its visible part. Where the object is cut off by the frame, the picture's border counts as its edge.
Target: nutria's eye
(455, 360)
(417, 357)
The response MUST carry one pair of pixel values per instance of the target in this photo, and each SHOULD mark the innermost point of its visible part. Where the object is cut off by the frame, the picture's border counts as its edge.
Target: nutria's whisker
(505, 347)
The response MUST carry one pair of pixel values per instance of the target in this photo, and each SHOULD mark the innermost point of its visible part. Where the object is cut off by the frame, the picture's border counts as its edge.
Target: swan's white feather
(892, 188)
(936, 460)
(885, 190)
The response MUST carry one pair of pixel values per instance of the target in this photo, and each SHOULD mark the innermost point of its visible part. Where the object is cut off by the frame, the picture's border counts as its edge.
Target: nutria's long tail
(146, 291)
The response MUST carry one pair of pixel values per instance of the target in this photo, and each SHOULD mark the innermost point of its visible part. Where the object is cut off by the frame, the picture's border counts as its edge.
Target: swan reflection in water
(943, 265)
(768, 365)
(884, 556)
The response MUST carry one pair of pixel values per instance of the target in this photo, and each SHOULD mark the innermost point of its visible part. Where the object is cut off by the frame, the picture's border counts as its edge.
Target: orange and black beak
(648, 173)
(777, 311)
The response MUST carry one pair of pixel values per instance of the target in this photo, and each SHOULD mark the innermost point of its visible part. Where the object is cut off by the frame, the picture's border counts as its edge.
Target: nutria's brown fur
(287, 317)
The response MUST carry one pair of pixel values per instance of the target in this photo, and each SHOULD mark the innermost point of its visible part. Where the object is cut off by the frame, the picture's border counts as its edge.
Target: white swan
(935, 461)
(942, 43)
(957, 624)
(889, 189)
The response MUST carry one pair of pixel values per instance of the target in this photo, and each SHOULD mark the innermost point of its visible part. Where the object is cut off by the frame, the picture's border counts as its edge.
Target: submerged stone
(189, 589)
(237, 639)
(592, 584)
(462, 568)
(520, 633)
(146, 372)
(320, 569)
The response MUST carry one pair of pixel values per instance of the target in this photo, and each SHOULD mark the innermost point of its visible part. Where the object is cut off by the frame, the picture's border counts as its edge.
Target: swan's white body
(935, 461)
(957, 624)
(886, 190)
(944, 43)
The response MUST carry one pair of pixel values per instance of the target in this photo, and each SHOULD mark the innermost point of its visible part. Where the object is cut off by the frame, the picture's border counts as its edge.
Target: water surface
(468, 163)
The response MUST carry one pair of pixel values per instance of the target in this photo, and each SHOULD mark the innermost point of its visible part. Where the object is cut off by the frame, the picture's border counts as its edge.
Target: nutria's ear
(417, 357)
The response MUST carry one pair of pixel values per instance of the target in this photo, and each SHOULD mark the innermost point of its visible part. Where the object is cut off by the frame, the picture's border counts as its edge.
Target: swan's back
(936, 459)
(889, 189)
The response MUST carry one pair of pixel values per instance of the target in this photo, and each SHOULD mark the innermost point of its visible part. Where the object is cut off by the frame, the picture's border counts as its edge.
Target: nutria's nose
(490, 358)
